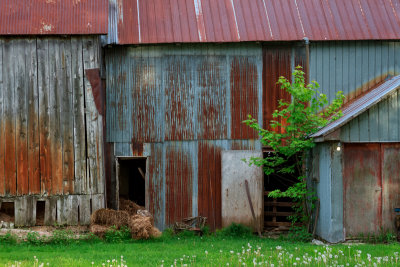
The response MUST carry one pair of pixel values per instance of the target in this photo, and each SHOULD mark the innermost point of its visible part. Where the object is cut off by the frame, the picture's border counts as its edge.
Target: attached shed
(51, 125)
(180, 83)
(355, 166)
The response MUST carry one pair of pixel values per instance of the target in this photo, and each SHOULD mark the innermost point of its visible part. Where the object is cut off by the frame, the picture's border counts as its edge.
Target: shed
(355, 166)
(51, 125)
(181, 80)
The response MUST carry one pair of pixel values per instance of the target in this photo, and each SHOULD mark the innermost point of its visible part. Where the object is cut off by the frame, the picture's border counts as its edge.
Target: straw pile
(135, 217)
(109, 217)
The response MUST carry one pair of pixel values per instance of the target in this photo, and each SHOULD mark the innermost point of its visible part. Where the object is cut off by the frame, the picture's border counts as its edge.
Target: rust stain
(33, 154)
(365, 88)
(93, 76)
(137, 148)
(244, 87)
(209, 184)
(2, 158)
(10, 159)
(178, 177)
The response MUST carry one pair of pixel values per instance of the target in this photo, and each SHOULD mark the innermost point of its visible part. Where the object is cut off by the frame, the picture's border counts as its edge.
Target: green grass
(196, 251)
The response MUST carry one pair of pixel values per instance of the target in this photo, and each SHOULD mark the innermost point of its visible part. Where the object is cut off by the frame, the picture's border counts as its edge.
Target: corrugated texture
(362, 104)
(183, 92)
(183, 21)
(184, 178)
(32, 17)
(353, 67)
(51, 131)
(277, 62)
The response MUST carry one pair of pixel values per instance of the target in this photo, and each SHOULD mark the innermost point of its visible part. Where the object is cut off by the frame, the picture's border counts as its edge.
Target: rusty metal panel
(182, 92)
(178, 181)
(244, 90)
(191, 21)
(235, 205)
(276, 63)
(390, 184)
(362, 183)
(32, 17)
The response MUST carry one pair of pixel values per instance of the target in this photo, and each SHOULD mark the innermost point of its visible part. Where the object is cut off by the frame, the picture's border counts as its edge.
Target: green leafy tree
(304, 115)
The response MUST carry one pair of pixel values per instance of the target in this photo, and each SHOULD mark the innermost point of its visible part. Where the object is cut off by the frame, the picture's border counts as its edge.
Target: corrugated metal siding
(184, 178)
(31, 17)
(353, 67)
(183, 92)
(380, 123)
(48, 145)
(191, 21)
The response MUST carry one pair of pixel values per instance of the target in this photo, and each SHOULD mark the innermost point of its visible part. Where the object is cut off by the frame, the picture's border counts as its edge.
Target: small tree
(302, 116)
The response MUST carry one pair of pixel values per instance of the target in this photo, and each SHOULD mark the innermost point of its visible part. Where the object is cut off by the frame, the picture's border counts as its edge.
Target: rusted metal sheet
(28, 17)
(191, 21)
(41, 152)
(244, 96)
(362, 188)
(178, 181)
(277, 62)
(183, 92)
(371, 187)
(235, 204)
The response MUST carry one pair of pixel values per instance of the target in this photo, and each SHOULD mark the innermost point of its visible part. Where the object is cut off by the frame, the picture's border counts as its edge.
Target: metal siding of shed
(28, 17)
(354, 67)
(41, 104)
(191, 21)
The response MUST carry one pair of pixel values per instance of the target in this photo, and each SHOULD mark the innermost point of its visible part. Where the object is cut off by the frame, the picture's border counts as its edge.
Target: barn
(183, 75)
(51, 116)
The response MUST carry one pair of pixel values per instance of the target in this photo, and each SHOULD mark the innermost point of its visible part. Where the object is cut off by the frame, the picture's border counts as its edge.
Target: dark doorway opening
(132, 173)
(40, 210)
(277, 210)
(7, 212)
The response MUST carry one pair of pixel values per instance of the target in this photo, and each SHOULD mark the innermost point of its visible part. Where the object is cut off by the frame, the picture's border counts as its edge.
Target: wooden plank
(71, 208)
(56, 87)
(2, 123)
(97, 202)
(67, 122)
(50, 213)
(24, 211)
(20, 103)
(44, 113)
(9, 112)
(79, 116)
(84, 209)
(279, 204)
(278, 214)
(33, 117)
(62, 210)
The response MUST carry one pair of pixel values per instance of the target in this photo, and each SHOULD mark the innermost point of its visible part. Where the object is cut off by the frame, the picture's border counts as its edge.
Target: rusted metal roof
(361, 104)
(31, 17)
(183, 21)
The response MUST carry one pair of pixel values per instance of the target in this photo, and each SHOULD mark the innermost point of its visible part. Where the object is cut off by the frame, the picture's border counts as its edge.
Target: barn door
(371, 180)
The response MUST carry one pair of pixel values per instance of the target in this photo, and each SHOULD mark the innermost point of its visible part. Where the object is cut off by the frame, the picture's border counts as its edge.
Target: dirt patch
(99, 230)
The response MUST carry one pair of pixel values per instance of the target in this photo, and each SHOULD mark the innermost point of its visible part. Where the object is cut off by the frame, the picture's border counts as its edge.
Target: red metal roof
(168, 21)
(31, 17)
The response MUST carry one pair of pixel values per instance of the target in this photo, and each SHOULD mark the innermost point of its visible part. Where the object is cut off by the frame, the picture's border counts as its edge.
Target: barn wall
(181, 106)
(380, 123)
(352, 66)
(51, 128)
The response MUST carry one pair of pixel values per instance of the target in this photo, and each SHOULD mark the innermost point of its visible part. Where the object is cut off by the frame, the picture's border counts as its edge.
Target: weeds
(113, 235)
(235, 230)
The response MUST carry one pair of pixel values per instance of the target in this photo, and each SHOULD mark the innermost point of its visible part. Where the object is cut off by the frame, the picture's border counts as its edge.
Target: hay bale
(146, 213)
(129, 206)
(140, 227)
(109, 217)
(98, 230)
(154, 232)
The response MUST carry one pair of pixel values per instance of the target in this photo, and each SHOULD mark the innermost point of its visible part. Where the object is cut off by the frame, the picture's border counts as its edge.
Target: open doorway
(277, 210)
(7, 212)
(131, 175)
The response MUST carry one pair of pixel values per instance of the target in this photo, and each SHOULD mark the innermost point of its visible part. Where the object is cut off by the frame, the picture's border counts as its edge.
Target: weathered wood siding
(50, 129)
